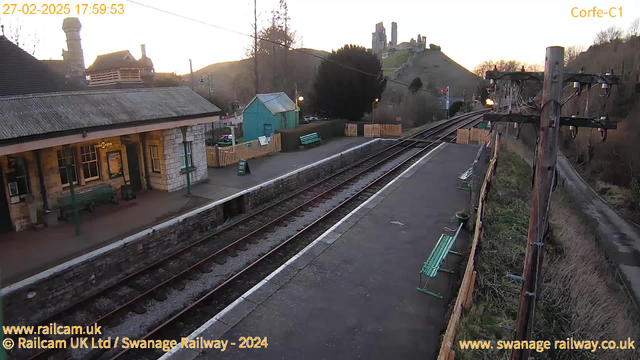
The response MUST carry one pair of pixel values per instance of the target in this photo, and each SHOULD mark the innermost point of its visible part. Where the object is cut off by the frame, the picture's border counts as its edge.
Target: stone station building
(125, 138)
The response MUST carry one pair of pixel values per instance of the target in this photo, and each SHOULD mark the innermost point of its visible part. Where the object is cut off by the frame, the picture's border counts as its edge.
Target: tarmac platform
(29, 252)
(352, 292)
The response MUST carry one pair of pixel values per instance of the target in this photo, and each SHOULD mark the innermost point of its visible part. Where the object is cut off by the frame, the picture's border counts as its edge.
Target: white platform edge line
(243, 297)
(121, 243)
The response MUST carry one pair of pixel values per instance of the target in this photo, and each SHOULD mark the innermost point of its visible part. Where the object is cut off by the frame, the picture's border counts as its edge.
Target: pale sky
(468, 31)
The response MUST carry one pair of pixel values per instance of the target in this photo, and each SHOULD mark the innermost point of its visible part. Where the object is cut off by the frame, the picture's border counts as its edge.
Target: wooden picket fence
(351, 130)
(382, 130)
(466, 136)
(465, 294)
(225, 156)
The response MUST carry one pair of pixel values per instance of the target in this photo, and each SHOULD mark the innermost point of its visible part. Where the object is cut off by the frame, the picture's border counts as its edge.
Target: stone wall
(36, 298)
(176, 175)
(51, 173)
(170, 177)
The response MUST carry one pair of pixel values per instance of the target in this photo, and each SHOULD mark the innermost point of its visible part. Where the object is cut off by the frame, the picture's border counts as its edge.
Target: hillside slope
(611, 167)
(234, 79)
(437, 71)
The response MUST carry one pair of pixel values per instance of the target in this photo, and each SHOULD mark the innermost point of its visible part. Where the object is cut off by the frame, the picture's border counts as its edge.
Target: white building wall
(177, 178)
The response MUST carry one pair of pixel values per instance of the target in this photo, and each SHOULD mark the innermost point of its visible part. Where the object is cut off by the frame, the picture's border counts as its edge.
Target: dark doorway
(134, 167)
(5, 217)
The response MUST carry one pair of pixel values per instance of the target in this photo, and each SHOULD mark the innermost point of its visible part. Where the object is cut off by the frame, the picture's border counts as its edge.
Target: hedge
(326, 130)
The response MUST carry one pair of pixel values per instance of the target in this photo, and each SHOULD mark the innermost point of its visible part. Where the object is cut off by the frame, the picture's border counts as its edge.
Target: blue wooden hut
(267, 113)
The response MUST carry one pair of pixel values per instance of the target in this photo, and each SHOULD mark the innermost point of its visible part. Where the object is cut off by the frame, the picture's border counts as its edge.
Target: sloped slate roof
(277, 102)
(56, 114)
(118, 60)
(59, 66)
(21, 73)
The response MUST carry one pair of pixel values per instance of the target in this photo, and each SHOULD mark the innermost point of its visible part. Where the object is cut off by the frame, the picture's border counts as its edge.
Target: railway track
(157, 283)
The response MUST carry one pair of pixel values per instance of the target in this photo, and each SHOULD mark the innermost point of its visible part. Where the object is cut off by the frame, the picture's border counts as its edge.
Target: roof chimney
(144, 51)
(74, 56)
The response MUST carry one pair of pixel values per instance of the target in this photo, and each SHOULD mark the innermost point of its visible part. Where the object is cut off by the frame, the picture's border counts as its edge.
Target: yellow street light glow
(300, 98)
(489, 102)
(376, 100)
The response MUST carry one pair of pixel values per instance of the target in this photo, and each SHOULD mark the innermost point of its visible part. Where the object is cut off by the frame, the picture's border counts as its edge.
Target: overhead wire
(377, 76)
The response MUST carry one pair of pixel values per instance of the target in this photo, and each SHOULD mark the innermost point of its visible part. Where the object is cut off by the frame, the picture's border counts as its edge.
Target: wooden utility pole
(191, 72)
(255, 45)
(541, 200)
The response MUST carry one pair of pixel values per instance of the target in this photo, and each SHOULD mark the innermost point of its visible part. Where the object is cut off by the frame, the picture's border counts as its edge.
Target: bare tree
(504, 65)
(571, 53)
(610, 34)
(26, 41)
(634, 28)
(535, 67)
(482, 68)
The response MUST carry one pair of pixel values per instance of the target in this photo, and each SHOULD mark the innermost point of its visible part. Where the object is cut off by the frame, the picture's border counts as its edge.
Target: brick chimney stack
(74, 56)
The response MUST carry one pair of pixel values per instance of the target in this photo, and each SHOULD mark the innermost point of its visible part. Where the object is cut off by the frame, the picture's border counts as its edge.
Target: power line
(270, 41)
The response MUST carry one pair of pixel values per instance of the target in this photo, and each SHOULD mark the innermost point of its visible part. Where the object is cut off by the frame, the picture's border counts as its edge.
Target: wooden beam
(539, 76)
(541, 198)
(564, 120)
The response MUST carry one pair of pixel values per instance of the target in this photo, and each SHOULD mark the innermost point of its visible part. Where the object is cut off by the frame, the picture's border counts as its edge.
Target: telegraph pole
(255, 45)
(541, 199)
(191, 72)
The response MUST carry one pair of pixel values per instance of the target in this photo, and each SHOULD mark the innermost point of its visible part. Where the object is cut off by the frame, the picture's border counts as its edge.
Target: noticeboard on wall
(114, 162)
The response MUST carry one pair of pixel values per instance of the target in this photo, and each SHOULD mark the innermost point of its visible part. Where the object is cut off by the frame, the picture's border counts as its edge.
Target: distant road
(622, 238)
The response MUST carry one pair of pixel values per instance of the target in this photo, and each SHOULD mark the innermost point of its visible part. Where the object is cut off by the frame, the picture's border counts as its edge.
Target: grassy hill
(234, 79)
(437, 71)
(395, 60)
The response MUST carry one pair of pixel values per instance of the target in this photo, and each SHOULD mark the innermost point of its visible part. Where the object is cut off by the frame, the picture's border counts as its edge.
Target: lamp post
(208, 84)
(373, 109)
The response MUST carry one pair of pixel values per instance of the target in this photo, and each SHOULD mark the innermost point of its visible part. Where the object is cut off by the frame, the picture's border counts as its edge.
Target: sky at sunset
(468, 31)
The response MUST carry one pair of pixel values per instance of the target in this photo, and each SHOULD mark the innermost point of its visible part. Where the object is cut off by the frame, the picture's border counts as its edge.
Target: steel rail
(424, 133)
(295, 236)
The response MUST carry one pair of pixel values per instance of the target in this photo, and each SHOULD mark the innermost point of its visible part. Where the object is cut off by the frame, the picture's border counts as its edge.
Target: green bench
(87, 198)
(310, 139)
(464, 180)
(433, 264)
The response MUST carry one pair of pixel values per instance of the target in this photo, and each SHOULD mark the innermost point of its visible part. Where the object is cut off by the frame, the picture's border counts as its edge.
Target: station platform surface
(352, 292)
(29, 252)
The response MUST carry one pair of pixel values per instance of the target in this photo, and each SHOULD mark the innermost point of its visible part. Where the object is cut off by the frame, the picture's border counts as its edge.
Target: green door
(134, 167)
(5, 217)
(268, 130)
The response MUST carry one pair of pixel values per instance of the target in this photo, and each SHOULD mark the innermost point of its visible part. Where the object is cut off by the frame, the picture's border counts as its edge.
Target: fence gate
(379, 130)
(351, 130)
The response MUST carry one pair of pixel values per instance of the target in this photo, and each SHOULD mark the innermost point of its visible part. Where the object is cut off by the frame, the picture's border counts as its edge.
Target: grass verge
(580, 297)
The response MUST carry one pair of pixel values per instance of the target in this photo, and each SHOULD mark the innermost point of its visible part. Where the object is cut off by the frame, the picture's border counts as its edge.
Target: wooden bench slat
(463, 179)
(86, 197)
(310, 138)
(431, 267)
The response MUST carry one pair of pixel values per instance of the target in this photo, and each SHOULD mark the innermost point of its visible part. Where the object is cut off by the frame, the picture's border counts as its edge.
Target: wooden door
(133, 163)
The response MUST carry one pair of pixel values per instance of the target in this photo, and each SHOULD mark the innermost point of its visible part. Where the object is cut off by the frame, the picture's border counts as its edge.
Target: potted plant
(462, 217)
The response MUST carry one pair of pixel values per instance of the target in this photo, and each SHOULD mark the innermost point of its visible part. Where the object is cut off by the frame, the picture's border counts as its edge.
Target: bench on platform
(464, 180)
(310, 139)
(433, 264)
(87, 198)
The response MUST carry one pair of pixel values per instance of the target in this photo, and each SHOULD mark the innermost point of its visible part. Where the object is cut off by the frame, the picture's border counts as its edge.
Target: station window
(89, 159)
(182, 164)
(155, 158)
(62, 167)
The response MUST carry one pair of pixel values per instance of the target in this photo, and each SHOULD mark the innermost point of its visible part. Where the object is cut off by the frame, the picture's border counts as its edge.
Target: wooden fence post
(469, 298)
